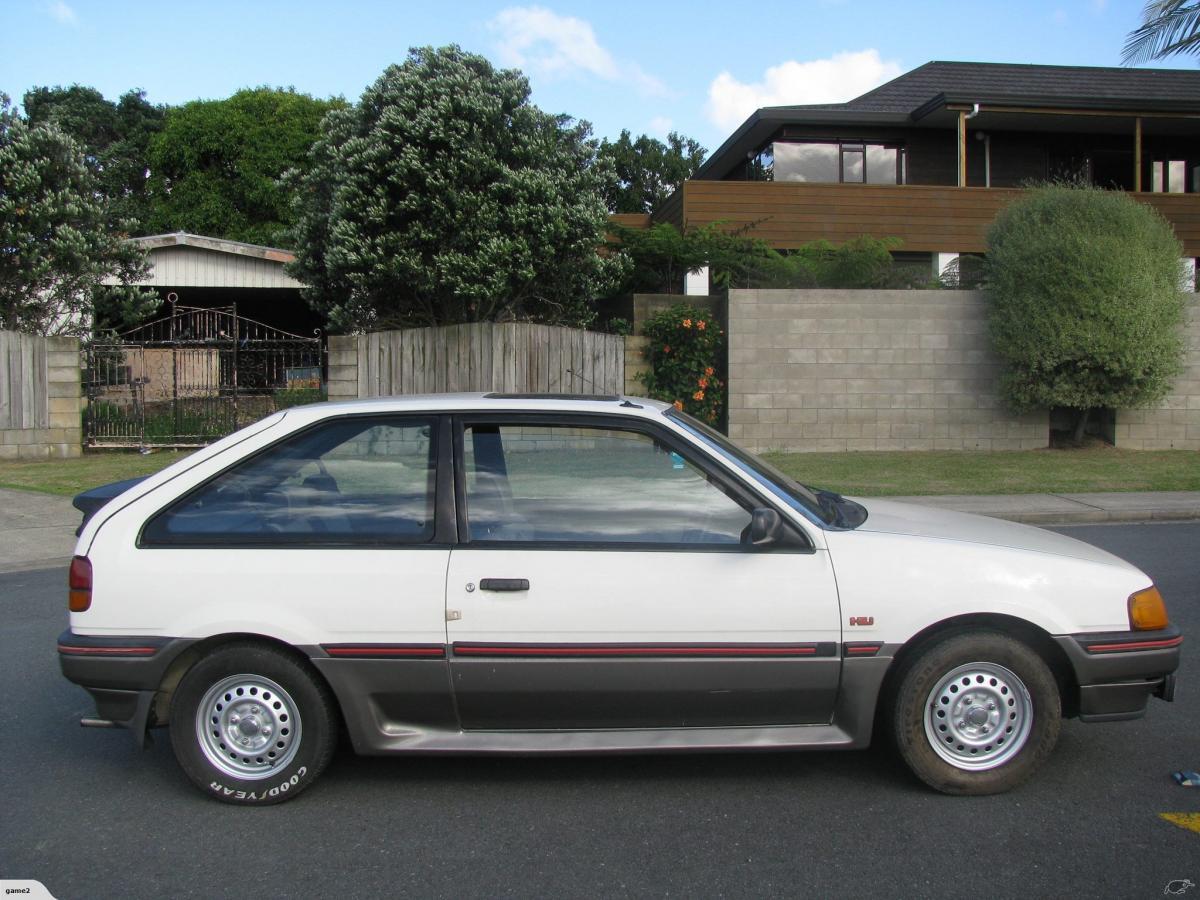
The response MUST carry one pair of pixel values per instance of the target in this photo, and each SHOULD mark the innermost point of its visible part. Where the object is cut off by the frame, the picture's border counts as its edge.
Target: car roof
(480, 401)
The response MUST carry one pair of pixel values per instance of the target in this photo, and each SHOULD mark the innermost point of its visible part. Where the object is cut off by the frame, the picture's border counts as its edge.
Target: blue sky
(696, 67)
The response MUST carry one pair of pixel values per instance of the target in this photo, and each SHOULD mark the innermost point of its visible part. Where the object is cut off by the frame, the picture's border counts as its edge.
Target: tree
(1168, 27)
(445, 196)
(115, 138)
(215, 165)
(648, 171)
(57, 246)
(1085, 307)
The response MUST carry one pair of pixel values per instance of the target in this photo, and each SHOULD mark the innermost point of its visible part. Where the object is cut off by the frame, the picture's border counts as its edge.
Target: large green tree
(1168, 27)
(1085, 305)
(58, 246)
(215, 165)
(115, 137)
(445, 196)
(648, 171)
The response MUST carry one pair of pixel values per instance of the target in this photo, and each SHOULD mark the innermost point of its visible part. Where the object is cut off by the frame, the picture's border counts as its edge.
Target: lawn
(1096, 468)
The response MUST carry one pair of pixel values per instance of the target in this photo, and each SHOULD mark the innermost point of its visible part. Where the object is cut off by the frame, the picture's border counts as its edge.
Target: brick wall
(1175, 423)
(40, 402)
(868, 370)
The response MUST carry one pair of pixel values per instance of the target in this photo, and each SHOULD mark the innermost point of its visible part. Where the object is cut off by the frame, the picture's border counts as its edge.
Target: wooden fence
(24, 393)
(509, 357)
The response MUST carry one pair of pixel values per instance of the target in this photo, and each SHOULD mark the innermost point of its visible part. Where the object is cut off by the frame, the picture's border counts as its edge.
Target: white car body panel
(583, 595)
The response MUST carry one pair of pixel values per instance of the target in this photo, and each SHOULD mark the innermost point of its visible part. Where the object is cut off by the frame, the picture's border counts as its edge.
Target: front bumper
(122, 674)
(1118, 672)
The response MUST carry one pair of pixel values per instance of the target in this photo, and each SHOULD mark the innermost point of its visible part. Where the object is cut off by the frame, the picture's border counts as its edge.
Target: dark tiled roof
(1119, 87)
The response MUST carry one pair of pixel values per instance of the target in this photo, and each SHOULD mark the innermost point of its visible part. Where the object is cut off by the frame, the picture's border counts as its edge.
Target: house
(932, 155)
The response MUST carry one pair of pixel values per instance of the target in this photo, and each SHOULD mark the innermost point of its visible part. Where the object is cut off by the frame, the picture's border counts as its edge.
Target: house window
(1168, 176)
(829, 162)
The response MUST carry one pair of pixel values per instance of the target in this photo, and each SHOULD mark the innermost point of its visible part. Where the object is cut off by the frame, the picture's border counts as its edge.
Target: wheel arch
(197, 651)
(1038, 639)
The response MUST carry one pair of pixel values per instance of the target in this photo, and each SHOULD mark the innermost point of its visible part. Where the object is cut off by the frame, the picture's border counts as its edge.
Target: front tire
(251, 725)
(976, 713)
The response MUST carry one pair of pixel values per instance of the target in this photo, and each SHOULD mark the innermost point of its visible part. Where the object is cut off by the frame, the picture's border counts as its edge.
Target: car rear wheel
(252, 725)
(976, 713)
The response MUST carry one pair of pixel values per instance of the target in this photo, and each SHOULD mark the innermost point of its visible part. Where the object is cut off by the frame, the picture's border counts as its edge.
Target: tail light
(80, 582)
(1147, 612)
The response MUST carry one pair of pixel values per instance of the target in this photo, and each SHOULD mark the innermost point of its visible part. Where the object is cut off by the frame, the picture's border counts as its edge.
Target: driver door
(603, 580)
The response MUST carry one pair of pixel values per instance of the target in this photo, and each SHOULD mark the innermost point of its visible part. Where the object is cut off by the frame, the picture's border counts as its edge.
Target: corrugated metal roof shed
(192, 260)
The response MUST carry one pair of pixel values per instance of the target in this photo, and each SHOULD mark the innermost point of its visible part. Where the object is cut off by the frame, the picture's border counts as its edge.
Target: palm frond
(1168, 27)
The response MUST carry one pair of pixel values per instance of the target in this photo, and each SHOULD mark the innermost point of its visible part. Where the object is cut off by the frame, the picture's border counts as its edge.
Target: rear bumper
(1118, 672)
(122, 674)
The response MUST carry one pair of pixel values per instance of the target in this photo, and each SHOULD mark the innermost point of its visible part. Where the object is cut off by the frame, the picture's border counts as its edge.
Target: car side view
(529, 574)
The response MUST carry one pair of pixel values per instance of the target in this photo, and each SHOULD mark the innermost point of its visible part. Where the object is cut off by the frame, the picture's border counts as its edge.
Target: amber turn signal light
(79, 580)
(1147, 612)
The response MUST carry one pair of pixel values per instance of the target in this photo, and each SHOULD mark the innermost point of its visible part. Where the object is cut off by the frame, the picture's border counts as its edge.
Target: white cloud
(541, 41)
(841, 77)
(62, 13)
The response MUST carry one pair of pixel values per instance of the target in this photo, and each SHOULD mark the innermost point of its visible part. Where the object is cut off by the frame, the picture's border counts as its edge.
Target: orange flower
(678, 404)
(666, 348)
(699, 395)
(703, 382)
(710, 371)
(687, 323)
(700, 324)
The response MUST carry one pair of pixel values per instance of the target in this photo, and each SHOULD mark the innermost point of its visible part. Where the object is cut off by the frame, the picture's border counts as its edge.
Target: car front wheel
(976, 713)
(252, 725)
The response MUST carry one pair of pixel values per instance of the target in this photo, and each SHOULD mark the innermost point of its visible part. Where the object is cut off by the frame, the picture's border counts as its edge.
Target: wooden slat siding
(927, 218)
(508, 357)
(631, 220)
(25, 391)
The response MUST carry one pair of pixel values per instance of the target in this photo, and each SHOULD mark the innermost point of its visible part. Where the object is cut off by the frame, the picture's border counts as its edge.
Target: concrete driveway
(37, 531)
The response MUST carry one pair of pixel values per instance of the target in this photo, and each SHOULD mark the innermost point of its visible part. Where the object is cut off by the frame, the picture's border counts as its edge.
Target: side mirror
(766, 527)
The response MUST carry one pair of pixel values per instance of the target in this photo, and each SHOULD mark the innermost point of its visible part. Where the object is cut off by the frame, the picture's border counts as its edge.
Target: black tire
(975, 713)
(270, 724)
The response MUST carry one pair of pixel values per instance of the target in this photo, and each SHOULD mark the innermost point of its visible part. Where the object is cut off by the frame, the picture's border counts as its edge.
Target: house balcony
(927, 218)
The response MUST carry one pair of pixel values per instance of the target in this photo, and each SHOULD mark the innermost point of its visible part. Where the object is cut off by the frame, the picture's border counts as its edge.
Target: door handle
(504, 584)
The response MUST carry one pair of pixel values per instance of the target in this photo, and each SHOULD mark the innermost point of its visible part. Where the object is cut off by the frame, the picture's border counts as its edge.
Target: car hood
(892, 517)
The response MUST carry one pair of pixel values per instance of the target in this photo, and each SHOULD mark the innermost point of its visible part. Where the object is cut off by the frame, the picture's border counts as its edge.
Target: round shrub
(686, 361)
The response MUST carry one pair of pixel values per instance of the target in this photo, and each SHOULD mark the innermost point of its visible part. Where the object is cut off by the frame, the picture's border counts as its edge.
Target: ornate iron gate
(194, 376)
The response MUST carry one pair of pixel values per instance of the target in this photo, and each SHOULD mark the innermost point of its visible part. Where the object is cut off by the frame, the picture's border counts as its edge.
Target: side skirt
(376, 734)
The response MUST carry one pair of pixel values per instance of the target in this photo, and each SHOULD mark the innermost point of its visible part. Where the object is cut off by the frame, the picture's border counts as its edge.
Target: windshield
(816, 505)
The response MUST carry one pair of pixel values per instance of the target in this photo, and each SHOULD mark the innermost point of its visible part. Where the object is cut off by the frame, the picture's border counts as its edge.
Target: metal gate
(194, 376)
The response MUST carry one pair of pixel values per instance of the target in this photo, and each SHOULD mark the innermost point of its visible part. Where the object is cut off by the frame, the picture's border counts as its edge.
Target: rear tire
(975, 713)
(251, 725)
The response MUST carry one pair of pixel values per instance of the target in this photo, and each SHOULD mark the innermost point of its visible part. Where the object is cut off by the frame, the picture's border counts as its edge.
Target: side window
(551, 483)
(352, 480)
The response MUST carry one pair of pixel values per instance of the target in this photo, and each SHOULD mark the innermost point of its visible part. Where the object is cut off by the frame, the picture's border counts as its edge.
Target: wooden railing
(927, 218)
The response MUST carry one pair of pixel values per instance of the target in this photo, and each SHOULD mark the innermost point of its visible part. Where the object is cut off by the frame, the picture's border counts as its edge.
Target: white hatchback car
(493, 573)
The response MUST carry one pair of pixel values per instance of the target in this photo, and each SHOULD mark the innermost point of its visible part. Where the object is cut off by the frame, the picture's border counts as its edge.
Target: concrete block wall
(343, 367)
(1175, 423)
(51, 426)
(813, 370)
(635, 364)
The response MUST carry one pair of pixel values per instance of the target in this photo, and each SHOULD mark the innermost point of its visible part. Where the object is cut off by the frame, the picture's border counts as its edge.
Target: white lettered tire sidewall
(314, 708)
(1014, 662)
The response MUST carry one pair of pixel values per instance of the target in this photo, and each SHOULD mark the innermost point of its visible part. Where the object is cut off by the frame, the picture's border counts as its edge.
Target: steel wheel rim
(248, 727)
(978, 716)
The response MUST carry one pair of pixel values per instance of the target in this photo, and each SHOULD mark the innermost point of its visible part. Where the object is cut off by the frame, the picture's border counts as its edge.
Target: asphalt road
(89, 816)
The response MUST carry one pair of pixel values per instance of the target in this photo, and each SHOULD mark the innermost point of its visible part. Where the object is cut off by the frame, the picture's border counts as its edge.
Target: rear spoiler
(89, 502)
